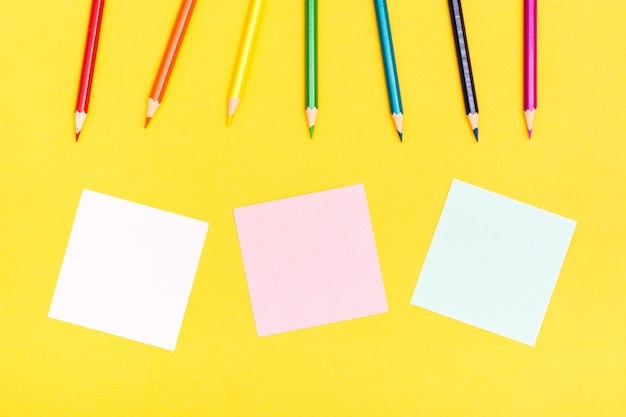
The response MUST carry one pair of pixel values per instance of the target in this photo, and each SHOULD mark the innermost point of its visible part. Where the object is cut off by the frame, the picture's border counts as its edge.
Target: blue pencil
(389, 63)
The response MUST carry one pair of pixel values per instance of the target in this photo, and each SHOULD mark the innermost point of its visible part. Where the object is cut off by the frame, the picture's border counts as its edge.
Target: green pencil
(310, 64)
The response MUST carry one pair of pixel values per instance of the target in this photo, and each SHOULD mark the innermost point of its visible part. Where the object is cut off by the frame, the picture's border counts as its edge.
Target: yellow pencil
(243, 59)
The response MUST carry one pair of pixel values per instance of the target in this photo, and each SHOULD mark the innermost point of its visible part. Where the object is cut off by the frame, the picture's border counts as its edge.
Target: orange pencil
(169, 58)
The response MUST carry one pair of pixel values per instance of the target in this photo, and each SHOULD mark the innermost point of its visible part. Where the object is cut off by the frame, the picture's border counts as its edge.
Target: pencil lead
(229, 120)
(311, 129)
(476, 134)
(530, 133)
(77, 135)
(400, 135)
(147, 121)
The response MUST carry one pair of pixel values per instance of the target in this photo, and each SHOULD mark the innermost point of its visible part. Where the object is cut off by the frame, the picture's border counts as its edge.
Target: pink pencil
(530, 63)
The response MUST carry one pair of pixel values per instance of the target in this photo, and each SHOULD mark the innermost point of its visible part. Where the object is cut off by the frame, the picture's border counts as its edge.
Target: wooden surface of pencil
(310, 64)
(389, 64)
(89, 62)
(243, 57)
(465, 66)
(169, 57)
(530, 63)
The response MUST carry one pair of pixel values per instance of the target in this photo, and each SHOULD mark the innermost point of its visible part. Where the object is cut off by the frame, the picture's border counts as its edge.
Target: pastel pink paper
(310, 260)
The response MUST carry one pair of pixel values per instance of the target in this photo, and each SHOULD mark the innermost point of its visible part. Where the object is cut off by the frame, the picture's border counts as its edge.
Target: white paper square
(128, 270)
(493, 262)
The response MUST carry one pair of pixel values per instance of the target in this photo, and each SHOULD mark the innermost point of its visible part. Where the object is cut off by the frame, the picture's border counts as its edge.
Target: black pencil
(465, 66)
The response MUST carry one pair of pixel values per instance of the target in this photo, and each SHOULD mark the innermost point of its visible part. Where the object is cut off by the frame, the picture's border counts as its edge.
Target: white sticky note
(493, 262)
(128, 270)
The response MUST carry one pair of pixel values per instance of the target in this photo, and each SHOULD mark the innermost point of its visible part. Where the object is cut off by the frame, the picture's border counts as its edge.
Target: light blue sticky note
(493, 262)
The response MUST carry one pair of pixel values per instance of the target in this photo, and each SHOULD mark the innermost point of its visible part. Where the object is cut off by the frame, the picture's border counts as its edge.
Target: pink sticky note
(310, 260)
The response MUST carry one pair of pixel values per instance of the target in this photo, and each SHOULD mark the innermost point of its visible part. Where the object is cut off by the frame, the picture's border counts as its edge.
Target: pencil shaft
(530, 54)
(389, 60)
(89, 58)
(463, 57)
(171, 51)
(310, 54)
(245, 49)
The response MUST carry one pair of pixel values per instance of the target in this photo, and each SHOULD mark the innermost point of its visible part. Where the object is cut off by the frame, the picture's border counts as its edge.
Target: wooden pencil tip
(311, 118)
(233, 103)
(476, 134)
(529, 115)
(147, 121)
(398, 121)
(79, 122)
(311, 129)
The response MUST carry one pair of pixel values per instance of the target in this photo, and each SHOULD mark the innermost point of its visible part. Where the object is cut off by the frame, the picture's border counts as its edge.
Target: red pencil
(169, 57)
(530, 63)
(89, 62)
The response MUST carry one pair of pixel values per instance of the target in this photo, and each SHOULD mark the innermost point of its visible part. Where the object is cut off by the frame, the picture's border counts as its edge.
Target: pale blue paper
(493, 262)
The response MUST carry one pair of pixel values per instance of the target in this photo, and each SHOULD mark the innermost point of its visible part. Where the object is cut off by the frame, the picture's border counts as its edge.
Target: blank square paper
(493, 262)
(128, 270)
(310, 260)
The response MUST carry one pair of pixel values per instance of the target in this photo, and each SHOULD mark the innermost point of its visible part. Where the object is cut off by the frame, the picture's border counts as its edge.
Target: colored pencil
(89, 62)
(169, 58)
(310, 63)
(244, 57)
(530, 63)
(465, 66)
(389, 64)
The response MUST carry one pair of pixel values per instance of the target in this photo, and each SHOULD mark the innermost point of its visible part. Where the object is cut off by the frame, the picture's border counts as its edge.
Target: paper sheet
(310, 260)
(493, 262)
(128, 270)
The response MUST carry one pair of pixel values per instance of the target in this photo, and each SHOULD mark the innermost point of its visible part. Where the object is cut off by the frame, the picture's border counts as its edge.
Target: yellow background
(409, 362)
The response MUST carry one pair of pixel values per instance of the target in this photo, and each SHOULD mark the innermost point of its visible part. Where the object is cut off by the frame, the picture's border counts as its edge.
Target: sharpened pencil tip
(530, 133)
(79, 121)
(400, 135)
(311, 129)
(147, 121)
(476, 134)
(229, 120)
